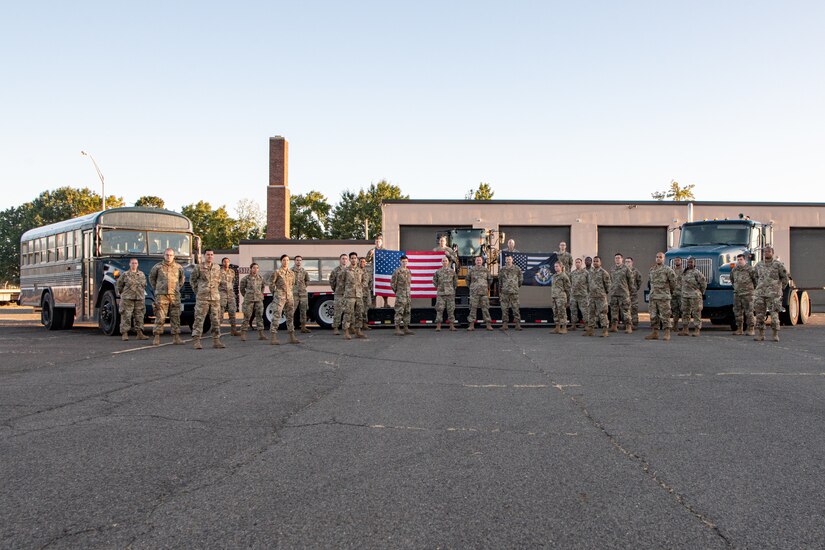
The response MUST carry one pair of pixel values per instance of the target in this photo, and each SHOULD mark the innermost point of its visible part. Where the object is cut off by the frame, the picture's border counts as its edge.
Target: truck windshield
(469, 241)
(715, 234)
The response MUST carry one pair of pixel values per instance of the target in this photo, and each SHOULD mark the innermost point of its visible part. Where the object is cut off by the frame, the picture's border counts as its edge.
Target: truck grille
(704, 265)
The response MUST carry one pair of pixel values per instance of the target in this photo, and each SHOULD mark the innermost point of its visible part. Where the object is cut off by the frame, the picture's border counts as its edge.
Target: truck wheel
(791, 314)
(804, 307)
(50, 316)
(108, 318)
(323, 311)
(269, 316)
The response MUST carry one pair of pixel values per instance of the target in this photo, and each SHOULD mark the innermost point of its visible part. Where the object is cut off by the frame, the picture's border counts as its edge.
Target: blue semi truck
(714, 244)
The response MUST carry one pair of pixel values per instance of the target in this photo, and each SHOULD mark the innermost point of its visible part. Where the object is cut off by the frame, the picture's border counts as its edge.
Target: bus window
(179, 242)
(326, 268)
(312, 269)
(119, 241)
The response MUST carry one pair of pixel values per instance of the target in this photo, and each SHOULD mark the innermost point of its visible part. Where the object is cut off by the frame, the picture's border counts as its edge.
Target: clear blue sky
(550, 100)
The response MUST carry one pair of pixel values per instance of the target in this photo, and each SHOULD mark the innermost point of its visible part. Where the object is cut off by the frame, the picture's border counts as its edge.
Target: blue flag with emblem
(537, 266)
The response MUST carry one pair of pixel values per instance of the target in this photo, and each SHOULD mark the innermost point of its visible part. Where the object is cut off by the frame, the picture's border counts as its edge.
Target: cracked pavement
(443, 440)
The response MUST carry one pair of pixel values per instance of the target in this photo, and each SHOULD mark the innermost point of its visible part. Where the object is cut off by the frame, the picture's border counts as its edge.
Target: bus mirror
(98, 236)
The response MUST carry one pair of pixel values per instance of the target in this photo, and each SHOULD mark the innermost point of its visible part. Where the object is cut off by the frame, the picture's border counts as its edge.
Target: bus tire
(108, 318)
(50, 316)
(804, 307)
(323, 311)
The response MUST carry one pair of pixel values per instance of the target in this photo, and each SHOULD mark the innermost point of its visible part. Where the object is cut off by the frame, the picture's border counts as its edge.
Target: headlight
(724, 279)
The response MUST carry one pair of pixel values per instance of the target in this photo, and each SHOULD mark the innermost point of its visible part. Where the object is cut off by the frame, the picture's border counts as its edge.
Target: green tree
(14, 222)
(309, 214)
(675, 192)
(483, 193)
(348, 216)
(150, 201)
(215, 227)
(250, 221)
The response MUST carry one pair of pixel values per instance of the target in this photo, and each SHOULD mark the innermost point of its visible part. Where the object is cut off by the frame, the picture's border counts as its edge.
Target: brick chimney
(277, 193)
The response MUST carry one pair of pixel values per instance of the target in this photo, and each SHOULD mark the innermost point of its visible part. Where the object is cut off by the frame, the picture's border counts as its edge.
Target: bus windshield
(715, 234)
(124, 241)
(179, 242)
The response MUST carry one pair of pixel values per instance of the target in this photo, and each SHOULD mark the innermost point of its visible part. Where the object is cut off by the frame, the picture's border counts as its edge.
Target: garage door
(640, 243)
(807, 264)
(536, 238)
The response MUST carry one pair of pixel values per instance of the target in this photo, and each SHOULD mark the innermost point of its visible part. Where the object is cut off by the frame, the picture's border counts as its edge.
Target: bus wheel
(50, 316)
(323, 311)
(804, 307)
(108, 317)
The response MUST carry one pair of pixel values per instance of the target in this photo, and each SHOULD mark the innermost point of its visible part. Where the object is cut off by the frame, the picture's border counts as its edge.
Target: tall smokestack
(277, 193)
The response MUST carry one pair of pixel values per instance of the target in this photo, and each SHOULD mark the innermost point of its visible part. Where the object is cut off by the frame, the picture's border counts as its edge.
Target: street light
(100, 175)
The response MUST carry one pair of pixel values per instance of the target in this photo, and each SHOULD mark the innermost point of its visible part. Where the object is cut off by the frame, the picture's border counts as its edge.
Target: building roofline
(623, 202)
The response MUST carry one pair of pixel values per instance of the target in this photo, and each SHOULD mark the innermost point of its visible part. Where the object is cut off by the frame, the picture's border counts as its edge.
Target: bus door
(88, 275)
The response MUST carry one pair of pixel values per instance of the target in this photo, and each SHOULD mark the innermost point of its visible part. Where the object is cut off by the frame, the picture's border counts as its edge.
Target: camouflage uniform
(371, 268)
(337, 283)
(744, 283)
(566, 261)
(772, 278)
(366, 294)
(400, 283)
(579, 287)
(479, 279)
(167, 280)
(510, 280)
(449, 252)
(693, 286)
(621, 281)
(676, 298)
(662, 285)
(228, 302)
(634, 296)
(252, 290)
(206, 281)
(597, 299)
(299, 294)
(445, 282)
(560, 294)
(353, 298)
(281, 283)
(131, 287)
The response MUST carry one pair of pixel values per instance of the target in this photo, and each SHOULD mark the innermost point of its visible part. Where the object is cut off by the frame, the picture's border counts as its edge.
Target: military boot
(504, 328)
(739, 331)
(273, 339)
(398, 331)
(750, 330)
(588, 331)
(452, 326)
(216, 342)
(234, 331)
(156, 340)
(407, 331)
(472, 326)
(628, 329)
(518, 325)
(760, 337)
(438, 327)
(614, 326)
(124, 336)
(197, 344)
(360, 334)
(304, 329)
(572, 326)
(563, 329)
(654, 335)
(243, 336)
(292, 338)
(347, 334)
(604, 332)
(335, 331)
(176, 339)
(261, 335)
(684, 331)
(696, 331)
(556, 329)
(489, 326)
(141, 336)
(775, 335)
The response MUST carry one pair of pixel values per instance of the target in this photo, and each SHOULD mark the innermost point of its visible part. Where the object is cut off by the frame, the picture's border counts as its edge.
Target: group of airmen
(582, 286)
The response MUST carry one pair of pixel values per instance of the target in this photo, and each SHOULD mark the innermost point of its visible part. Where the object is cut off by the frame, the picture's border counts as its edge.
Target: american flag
(422, 264)
(537, 266)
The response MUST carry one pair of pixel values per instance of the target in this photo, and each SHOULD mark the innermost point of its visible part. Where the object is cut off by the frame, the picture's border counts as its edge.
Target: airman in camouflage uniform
(449, 252)
(636, 277)
(511, 246)
(299, 292)
(564, 257)
(772, 278)
(366, 292)
(579, 288)
(600, 282)
(676, 298)
(281, 283)
(560, 294)
(510, 279)
(445, 282)
(131, 287)
(401, 283)
(743, 277)
(228, 302)
(167, 279)
(662, 284)
(206, 280)
(379, 245)
(694, 285)
(353, 298)
(479, 279)
(621, 281)
(337, 283)
(252, 290)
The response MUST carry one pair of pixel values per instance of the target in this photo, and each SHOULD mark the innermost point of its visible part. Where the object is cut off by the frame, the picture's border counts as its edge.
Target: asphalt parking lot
(433, 440)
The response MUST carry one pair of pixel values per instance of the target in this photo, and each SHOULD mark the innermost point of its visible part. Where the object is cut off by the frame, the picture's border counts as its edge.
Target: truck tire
(323, 311)
(790, 316)
(108, 317)
(50, 316)
(804, 307)
(269, 315)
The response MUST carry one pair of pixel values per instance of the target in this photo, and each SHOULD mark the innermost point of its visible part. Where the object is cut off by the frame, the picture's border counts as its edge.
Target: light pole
(100, 175)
